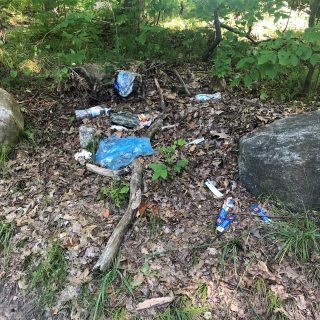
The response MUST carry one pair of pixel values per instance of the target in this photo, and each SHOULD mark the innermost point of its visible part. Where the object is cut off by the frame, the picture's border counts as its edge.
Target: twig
(171, 126)
(105, 172)
(182, 82)
(163, 103)
(111, 250)
(243, 34)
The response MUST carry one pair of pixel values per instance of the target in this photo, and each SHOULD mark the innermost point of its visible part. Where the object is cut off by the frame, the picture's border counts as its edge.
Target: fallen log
(114, 242)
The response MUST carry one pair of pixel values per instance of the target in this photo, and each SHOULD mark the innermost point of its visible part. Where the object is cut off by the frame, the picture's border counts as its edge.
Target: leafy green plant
(171, 164)
(298, 236)
(6, 233)
(117, 191)
(50, 274)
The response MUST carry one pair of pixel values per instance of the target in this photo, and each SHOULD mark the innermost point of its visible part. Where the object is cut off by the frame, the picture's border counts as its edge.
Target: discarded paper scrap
(213, 189)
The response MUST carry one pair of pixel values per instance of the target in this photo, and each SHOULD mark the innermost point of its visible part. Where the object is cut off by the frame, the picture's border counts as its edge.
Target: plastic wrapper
(115, 152)
(255, 208)
(227, 206)
(226, 222)
(125, 82)
(83, 156)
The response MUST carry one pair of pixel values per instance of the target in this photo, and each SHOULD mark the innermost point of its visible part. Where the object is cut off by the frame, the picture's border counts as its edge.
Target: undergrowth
(50, 274)
(6, 233)
(182, 309)
(298, 237)
(117, 191)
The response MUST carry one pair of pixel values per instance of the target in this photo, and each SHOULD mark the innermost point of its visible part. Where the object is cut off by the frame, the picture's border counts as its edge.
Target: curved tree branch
(217, 38)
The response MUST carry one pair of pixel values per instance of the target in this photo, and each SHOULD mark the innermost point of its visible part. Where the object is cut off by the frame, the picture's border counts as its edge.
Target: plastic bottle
(204, 97)
(92, 112)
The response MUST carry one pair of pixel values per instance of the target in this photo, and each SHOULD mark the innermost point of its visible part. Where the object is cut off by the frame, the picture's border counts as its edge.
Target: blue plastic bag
(115, 152)
(124, 82)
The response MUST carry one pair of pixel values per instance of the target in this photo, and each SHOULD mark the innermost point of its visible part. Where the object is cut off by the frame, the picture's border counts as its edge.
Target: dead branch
(111, 250)
(243, 34)
(218, 37)
(105, 172)
(182, 82)
(163, 103)
(113, 245)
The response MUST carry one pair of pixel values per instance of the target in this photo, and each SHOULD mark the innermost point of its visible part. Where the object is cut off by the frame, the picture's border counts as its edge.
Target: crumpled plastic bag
(124, 82)
(115, 152)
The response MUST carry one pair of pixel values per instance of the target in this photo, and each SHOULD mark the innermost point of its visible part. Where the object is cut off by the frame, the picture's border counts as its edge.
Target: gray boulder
(284, 159)
(11, 119)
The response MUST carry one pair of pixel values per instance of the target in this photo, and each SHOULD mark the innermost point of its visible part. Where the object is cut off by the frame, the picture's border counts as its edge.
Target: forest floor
(171, 250)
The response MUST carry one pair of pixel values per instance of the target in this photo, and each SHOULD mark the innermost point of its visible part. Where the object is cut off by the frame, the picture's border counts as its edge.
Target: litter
(125, 119)
(86, 134)
(228, 204)
(124, 82)
(204, 97)
(255, 208)
(92, 112)
(131, 120)
(115, 152)
(83, 156)
(213, 189)
(225, 223)
(196, 141)
(119, 128)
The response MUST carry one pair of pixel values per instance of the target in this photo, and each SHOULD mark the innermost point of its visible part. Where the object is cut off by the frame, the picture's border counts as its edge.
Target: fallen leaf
(154, 302)
(221, 135)
(192, 148)
(142, 208)
(105, 213)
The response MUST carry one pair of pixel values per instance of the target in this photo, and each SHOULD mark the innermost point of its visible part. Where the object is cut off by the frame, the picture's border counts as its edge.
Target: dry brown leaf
(154, 302)
(142, 208)
(105, 213)
(192, 148)
(221, 135)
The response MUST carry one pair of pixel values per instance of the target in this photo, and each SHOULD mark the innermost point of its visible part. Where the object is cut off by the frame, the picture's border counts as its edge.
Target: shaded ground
(47, 195)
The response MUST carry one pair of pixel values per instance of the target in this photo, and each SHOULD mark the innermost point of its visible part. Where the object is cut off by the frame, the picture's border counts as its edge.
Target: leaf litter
(47, 195)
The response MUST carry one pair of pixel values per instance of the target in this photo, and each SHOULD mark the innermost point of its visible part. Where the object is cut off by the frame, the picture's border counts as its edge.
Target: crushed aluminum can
(228, 204)
(196, 141)
(226, 223)
(204, 97)
(255, 208)
(213, 189)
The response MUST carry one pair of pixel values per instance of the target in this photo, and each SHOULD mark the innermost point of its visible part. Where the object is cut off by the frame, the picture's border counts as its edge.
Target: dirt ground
(170, 249)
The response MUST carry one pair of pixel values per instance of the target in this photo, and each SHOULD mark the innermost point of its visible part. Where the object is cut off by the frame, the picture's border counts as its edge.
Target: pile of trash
(114, 152)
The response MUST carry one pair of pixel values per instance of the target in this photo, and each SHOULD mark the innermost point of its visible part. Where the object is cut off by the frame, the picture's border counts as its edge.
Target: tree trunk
(314, 8)
(217, 38)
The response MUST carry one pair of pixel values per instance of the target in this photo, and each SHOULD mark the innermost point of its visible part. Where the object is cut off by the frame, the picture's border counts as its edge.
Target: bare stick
(163, 103)
(113, 245)
(182, 82)
(114, 242)
(105, 172)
